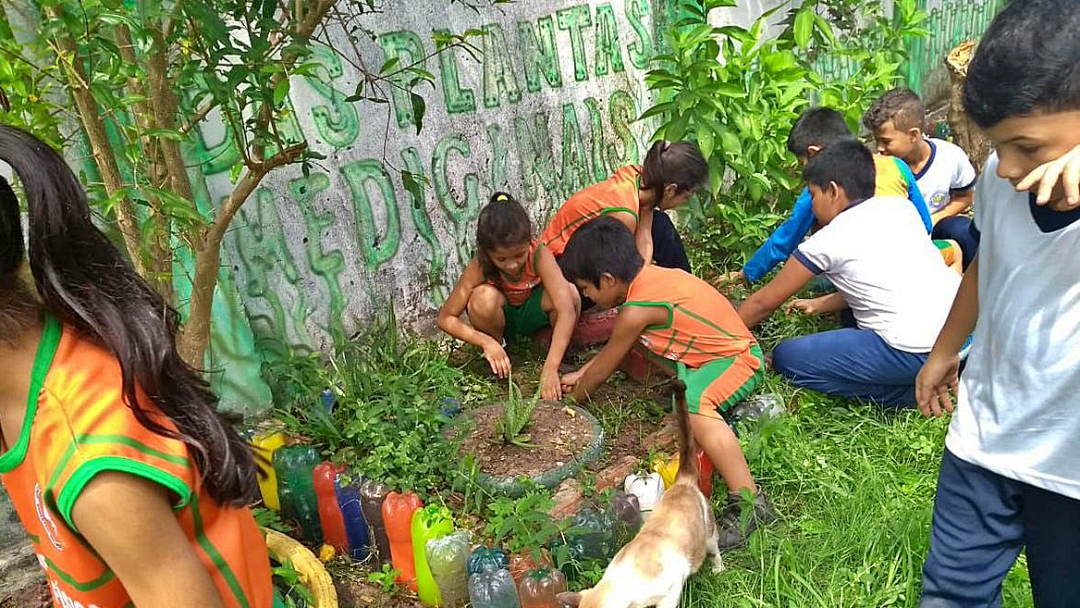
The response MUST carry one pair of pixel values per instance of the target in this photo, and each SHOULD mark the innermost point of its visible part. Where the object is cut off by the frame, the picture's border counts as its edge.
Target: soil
(559, 433)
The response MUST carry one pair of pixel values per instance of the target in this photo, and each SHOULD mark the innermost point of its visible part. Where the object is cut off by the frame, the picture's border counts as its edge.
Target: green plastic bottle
(428, 523)
(295, 466)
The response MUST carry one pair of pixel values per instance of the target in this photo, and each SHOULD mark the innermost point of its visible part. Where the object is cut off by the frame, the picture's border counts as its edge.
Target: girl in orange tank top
(513, 287)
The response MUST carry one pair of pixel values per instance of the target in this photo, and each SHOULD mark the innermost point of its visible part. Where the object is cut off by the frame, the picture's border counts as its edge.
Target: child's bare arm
(643, 234)
(940, 373)
(129, 522)
(1065, 170)
(450, 314)
(563, 297)
(628, 326)
(833, 302)
(763, 302)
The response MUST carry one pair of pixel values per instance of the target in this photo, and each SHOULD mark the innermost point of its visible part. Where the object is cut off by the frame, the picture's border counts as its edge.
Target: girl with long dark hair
(132, 487)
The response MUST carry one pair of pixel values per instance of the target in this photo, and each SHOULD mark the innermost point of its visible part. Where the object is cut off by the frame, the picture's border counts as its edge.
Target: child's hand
(735, 276)
(939, 376)
(807, 307)
(550, 386)
(569, 381)
(1067, 170)
(498, 359)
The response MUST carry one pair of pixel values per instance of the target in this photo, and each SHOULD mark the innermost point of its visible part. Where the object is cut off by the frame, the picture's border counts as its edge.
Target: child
(815, 130)
(875, 251)
(687, 325)
(132, 488)
(513, 287)
(942, 169)
(637, 197)
(1010, 474)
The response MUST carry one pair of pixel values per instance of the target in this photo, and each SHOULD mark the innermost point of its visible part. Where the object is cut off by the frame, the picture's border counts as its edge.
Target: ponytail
(679, 163)
(503, 222)
(83, 279)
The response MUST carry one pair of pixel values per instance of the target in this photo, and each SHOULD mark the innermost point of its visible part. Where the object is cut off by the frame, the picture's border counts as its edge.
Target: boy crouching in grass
(691, 327)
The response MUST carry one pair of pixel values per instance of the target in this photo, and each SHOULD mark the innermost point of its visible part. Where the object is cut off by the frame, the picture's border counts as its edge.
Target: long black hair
(503, 222)
(679, 163)
(83, 280)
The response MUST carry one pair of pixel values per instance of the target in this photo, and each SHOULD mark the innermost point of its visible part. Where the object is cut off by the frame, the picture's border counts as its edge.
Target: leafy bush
(387, 420)
(737, 93)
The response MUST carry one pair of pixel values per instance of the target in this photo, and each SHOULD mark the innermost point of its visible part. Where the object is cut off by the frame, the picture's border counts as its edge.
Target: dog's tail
(688, 469)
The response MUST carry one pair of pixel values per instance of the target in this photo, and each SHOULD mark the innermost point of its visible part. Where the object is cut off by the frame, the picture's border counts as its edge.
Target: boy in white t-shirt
(1010, 475)
(892, 279)
(942, 170)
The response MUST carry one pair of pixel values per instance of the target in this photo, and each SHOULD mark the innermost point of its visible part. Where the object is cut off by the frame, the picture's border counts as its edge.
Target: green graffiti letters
(608, 50)
(499, 74)
(328, 264)
(409, 49)
(539, 53)
(458, 100)
(263, 249)
(575, 19)
(377, 250)
(500, 180)
(461, 216)
(575, 161)
(640, 51)
(437, 260)
(623, 113)
(596, 139)
(337, 123)
(537, 165)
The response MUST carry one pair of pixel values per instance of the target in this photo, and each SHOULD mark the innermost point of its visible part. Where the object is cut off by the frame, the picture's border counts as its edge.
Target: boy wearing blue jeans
(875, 250)
(1010, 475)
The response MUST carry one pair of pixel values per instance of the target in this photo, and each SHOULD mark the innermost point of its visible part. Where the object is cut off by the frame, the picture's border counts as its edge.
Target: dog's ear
(569, 599)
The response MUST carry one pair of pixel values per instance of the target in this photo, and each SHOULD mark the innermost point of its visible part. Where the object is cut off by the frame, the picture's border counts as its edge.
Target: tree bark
(101, 148)
(965, 132)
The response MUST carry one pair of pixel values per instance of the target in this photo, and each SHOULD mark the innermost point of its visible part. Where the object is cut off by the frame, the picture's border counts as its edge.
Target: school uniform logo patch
(46, 519)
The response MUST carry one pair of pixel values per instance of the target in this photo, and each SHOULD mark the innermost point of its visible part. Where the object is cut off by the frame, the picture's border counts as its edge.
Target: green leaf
(804, 25)
(730, 143)
(705, 140)
(419, 108)
(390, 64)
(656, 110)
(281, 92)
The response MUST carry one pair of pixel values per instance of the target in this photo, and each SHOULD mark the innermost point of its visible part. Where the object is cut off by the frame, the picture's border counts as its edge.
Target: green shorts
(717, 386)
(527, 319)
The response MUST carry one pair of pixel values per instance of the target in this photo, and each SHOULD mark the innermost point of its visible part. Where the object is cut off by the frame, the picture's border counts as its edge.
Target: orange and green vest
(617, 193)
(702, 324)
(76, 426)
(518, 292)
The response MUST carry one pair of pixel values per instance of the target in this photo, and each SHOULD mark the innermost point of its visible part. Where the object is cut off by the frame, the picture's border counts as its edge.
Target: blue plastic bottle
(356, 527)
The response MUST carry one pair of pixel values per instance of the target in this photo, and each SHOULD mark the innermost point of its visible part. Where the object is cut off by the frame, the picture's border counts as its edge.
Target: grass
(854, 486)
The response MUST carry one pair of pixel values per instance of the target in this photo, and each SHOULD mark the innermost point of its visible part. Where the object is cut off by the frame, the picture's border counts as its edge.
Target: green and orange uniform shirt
(618, 193)
(704, 338)
(524, 310)
(76, 426)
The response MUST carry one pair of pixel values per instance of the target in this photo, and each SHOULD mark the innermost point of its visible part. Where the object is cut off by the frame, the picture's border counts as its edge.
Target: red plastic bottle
(397, 511)
(333, 524)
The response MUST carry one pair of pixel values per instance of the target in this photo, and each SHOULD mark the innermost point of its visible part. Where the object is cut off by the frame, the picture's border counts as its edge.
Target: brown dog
(651, 569)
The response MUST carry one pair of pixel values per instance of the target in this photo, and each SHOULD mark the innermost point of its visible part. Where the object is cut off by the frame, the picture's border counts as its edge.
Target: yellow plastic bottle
(667, 468)
(265, 444)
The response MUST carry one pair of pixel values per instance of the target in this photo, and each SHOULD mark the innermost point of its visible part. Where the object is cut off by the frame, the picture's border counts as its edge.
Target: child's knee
(785, 358)
(485, 302)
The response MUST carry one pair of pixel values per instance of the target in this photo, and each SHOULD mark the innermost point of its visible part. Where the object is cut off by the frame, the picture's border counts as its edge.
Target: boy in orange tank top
(690, 326)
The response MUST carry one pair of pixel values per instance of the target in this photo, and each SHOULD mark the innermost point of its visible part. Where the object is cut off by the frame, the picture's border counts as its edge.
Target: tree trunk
(104, 157)
(966, 133)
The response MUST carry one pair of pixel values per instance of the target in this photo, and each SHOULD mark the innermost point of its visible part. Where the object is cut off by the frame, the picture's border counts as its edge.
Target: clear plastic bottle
(448, 559)
(493, 589)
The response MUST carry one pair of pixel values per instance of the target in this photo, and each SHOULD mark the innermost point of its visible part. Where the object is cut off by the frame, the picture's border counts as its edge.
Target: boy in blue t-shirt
(1010, 475)
(815, 130)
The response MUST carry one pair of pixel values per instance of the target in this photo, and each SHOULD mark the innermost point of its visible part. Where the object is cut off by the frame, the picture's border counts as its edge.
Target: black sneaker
(731, 522)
